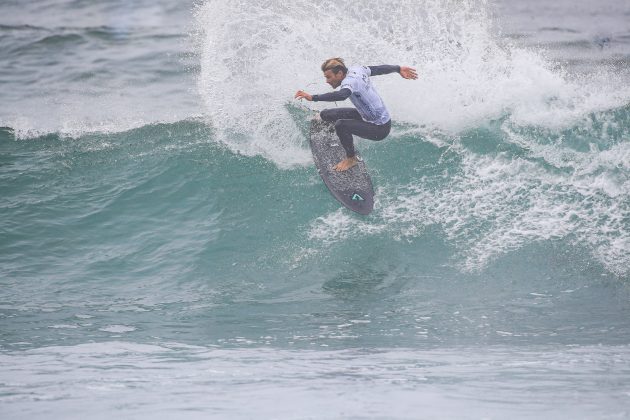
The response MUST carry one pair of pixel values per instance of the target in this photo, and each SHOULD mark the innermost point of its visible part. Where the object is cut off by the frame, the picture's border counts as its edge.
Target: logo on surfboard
(357, 197)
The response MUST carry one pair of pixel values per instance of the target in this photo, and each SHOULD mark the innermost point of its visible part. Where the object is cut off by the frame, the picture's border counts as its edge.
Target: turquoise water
(168, 250)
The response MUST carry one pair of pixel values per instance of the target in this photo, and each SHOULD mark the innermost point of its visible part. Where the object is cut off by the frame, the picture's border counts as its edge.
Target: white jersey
(364, 96)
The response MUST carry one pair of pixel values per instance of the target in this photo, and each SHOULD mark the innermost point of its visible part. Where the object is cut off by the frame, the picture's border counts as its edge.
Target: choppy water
(167, 249)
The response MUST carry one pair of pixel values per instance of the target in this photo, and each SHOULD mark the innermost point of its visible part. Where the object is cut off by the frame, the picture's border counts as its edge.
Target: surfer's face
(334, 79)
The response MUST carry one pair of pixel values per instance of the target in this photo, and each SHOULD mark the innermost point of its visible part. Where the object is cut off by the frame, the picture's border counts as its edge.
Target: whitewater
(168, 250)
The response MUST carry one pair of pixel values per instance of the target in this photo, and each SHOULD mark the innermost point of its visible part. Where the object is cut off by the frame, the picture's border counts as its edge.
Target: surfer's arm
(340, 95)
(405, 72)
(384, 69)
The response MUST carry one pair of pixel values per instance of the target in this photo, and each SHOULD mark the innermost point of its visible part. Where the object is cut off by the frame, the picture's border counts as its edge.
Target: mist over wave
(253, 58)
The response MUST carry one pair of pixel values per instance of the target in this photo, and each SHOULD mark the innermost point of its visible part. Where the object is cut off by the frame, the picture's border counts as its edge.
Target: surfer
(370, 118)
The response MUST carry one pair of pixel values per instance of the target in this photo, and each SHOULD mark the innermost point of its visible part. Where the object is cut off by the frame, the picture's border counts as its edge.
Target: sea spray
(253, 58)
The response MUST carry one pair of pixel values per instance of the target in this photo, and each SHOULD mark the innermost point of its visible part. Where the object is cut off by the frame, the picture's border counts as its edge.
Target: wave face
(162, 225)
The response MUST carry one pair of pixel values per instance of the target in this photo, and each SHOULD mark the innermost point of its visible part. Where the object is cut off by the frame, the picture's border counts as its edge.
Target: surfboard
(352, 188)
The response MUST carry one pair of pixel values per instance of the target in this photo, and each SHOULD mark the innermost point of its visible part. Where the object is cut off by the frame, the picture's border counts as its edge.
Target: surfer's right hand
(300, 94)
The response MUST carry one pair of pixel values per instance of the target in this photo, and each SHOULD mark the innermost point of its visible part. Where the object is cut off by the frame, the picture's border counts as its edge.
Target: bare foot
(346, 164)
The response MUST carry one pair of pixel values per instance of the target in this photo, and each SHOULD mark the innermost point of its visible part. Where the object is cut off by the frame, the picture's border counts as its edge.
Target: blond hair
(335, 64)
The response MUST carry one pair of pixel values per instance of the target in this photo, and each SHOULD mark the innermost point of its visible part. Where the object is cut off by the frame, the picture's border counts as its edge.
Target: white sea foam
(253, 59)
(500, 204)
(73, 123)
(118, 329)
(339, 225)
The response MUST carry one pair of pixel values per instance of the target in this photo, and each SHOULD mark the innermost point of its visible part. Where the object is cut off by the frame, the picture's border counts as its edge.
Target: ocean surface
(168, 250)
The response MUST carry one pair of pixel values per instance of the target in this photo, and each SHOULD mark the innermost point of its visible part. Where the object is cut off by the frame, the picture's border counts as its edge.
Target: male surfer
(370, 119)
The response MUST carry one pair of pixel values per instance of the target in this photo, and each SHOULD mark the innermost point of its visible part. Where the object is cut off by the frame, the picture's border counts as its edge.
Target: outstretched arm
(384, 69)
(340, 95)
(405, 72)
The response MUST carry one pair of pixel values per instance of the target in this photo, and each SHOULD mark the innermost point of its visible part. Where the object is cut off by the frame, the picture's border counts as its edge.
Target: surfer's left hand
(303, 95)
(408, 73)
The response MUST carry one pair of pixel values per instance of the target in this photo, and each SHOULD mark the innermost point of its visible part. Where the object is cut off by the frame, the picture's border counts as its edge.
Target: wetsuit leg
(348, 121)
(346, 128)
(334, 114)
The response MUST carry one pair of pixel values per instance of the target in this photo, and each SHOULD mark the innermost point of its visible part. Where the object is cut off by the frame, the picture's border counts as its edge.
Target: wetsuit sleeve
(384, 69)
(340, 95)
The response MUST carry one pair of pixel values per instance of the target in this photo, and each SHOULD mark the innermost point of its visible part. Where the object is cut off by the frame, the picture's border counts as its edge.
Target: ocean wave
(44, 44)
(489, 192)
(493, 191)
